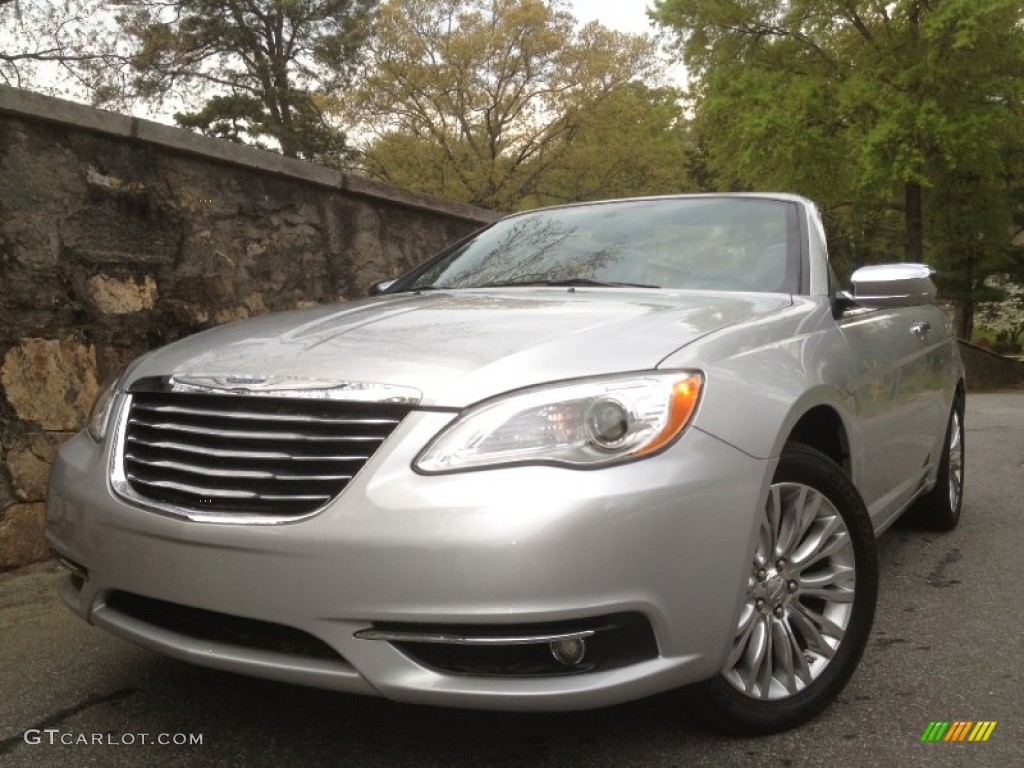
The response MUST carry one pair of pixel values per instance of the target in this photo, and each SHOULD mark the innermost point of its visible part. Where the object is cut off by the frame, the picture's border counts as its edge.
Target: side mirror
(380, 287)
(893, 285)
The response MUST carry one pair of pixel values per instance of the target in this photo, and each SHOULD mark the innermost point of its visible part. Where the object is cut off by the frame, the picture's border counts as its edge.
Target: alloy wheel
(956, 460)
(799, 597)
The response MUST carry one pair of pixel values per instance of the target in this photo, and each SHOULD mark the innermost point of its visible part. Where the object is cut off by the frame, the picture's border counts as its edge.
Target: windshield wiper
(419, 288)
(568, 282)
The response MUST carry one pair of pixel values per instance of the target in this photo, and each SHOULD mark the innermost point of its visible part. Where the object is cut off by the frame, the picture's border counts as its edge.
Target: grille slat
(220, 493)
(241, 474)
(194, 490)
(292, 418)
(248, 453)
(236, 454)
(243, 434)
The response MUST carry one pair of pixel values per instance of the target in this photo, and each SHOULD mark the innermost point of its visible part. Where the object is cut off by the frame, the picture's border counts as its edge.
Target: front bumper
(668, 538)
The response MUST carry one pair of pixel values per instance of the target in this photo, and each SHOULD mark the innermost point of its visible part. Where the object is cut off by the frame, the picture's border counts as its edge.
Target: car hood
(457, 347)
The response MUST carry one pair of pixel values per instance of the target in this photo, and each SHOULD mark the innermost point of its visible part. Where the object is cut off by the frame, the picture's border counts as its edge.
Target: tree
(261, 65)
(48, 45)
(478, 100)
(871, 107)
(633, 142)
(1005, 316)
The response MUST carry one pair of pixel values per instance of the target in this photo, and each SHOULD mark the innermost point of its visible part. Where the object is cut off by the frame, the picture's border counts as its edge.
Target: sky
(623, 15)
(626, 16)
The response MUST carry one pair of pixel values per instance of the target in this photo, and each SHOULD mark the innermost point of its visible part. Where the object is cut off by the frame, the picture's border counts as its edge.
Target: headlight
(99, 416)
(583, 424)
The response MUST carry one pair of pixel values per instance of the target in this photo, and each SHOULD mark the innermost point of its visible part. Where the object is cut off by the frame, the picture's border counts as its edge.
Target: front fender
(761, 379)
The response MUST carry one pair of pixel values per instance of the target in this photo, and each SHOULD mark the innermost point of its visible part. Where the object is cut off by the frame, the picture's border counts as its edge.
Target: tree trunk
(963, 319)
(914, 250)
(289, 147)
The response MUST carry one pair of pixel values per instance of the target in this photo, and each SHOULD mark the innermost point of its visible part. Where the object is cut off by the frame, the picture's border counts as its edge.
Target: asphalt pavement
(946, 646)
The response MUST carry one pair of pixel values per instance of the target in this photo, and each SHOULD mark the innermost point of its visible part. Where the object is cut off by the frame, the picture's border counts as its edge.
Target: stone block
(29, 464)
(113, 296)
(21, 535)
(51, 382)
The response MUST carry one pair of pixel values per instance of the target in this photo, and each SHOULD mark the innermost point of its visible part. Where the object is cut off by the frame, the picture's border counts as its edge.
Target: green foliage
(507, 103)
(876, 110)
(632, 142)
(257, 68)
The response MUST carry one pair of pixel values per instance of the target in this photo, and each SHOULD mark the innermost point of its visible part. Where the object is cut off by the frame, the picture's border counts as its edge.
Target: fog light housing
(569, 651)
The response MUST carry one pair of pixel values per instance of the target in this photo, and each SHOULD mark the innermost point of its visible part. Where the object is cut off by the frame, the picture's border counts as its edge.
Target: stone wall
(118, 235)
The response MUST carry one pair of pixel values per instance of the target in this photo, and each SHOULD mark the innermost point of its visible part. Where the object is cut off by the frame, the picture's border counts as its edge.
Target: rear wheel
(809, 602)
(939, 509)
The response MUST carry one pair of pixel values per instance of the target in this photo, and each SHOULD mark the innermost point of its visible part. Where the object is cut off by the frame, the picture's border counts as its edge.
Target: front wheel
(809, 601)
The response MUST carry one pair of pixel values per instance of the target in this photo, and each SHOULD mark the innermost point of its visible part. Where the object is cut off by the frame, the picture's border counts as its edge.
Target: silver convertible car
(587, 454)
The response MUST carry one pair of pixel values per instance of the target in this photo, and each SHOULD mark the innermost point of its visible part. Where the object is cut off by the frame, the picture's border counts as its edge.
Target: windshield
(715, 243)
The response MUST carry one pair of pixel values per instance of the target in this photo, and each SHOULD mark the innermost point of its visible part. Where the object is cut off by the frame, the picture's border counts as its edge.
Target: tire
(939, 509)
(809, 604)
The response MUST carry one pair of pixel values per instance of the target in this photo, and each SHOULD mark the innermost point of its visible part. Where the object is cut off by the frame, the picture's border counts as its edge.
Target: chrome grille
(255, 455)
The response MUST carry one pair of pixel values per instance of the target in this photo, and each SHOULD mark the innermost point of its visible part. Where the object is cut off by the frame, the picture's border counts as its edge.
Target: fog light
(569, 651)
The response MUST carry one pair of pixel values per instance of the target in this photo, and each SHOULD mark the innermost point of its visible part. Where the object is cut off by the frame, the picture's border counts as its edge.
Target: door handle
(921, 328)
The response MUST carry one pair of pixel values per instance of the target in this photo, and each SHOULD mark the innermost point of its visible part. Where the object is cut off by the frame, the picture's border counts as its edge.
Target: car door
(896, 384)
